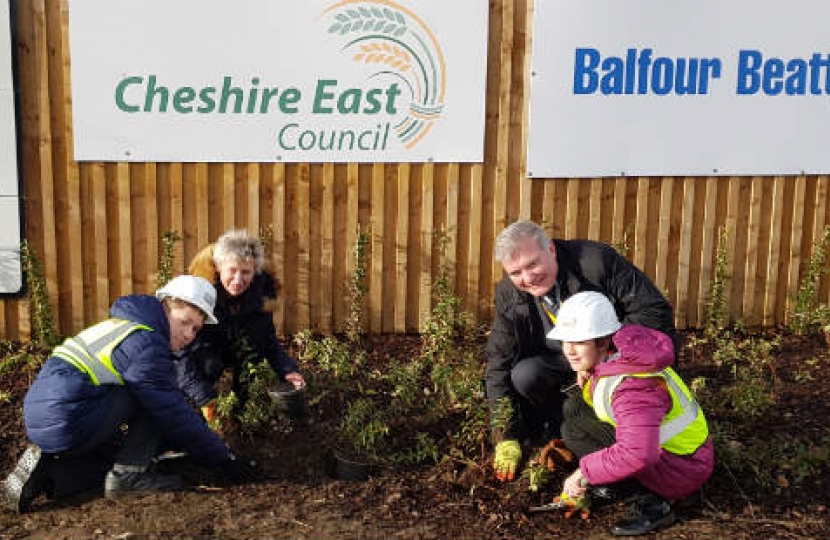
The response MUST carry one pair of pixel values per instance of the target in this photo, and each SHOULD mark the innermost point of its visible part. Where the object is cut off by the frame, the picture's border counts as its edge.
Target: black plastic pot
(345, 466)
(290, 400)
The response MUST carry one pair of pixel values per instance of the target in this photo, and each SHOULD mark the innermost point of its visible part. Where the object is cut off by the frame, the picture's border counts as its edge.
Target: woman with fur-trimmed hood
(246, 295)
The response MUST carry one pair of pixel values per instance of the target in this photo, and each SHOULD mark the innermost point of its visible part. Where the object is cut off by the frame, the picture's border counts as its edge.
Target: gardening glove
(554, 454)
(574, 505)
(238, 471)
(508, 455)
(209, 412)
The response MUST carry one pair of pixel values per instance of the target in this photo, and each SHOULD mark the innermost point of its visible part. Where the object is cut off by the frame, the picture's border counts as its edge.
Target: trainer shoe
(28, 480)
(120, 484)
(644, 514)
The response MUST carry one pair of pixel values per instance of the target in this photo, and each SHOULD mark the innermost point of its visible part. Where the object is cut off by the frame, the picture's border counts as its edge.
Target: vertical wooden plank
(522, 57)
(618, 228)
(796, 232)
(303, 218)
(685, 253)
(572, 209)
(250, 213)
(67, 184)
(474, 293)
(820, 211)
(426, 234)
(663, 232)
(752, 279)
(96, 185)
(377, 221)
(144, 227)
(174, 198)
(770, 315)
(327, 252)
(353, 227)
(315, 296)
(709, 245)
(595, 209)
(120, 244)
(453, 189)
(196, 212)
(641, 228)
(401, 277)
(274, 182)
(463, 234)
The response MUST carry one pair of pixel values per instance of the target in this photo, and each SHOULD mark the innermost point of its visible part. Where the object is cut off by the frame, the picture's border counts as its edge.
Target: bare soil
(296, 497)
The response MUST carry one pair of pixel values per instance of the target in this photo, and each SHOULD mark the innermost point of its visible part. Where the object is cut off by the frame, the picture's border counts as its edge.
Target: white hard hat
(583, 316)
(193, 290)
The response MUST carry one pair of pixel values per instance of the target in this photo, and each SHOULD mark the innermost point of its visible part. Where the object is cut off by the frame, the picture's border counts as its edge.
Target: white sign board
(278, 80)
(669, 87)
(11, 280)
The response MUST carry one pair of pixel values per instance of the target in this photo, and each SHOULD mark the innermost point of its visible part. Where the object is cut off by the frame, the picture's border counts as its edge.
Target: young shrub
(44, 329)
(808, 314)
(168, 245)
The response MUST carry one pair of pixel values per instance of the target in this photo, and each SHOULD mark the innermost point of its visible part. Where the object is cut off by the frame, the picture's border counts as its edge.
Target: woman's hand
(296, 379)
(575, 485)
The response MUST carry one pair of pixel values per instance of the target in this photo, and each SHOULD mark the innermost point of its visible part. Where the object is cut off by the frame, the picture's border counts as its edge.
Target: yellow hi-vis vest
(684, 428)
(91, 350)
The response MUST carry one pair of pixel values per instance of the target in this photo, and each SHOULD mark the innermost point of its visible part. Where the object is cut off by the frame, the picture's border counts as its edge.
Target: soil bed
(296, 496)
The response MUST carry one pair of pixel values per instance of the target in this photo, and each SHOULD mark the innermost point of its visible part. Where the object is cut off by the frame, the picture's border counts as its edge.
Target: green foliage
(266, 238)
(717, 312)
(226, 404)
(808, 314)
(623, 245)
(355, 325)
(259, 408)
(365, 426)
(44, 330)
(537, 476)
(332, 355)
(747, 379)
(168, 245)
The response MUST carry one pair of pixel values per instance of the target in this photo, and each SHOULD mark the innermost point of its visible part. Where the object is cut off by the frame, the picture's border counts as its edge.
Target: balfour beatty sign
(278, 80)
(664, 87)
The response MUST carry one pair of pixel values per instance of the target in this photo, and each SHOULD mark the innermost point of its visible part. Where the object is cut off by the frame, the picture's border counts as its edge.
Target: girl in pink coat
(635, 426)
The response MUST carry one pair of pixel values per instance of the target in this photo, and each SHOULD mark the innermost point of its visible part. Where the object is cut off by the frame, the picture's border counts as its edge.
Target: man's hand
(508, 456)
(555, 454)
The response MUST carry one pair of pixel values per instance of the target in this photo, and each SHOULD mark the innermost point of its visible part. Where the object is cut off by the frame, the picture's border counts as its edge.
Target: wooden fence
(97, 227)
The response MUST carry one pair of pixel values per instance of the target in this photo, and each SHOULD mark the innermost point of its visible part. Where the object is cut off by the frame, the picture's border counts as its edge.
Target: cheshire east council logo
(398, 43)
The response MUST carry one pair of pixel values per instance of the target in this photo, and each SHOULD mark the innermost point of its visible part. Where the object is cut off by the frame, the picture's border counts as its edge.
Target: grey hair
(239, 244)
(507, 240)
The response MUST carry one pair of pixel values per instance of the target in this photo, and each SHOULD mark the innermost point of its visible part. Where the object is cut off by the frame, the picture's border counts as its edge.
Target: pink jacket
(639, 405)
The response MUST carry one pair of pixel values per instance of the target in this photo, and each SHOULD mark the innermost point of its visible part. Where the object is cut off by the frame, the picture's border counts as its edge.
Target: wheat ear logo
(385, 34)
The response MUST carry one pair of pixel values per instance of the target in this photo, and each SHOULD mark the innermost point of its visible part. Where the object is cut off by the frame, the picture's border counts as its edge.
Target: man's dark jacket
(518, 331)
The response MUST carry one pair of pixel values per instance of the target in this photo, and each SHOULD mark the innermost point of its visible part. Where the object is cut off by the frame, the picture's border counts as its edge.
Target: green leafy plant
(357, 289)
(258, 408)
(623, 245)
(365, 427)
(808, 314)
(168, 245)
(44, 329)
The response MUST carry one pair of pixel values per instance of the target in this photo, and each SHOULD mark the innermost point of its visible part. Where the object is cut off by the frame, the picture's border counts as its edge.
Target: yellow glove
(508, 455)
(574, 505)
(209, 412)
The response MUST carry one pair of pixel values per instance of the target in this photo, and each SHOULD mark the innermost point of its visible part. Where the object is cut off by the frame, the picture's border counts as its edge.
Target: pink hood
(641, 350)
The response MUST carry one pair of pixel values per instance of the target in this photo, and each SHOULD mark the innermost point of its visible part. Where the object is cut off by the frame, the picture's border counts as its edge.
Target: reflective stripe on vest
(684, 427)
(91, 350)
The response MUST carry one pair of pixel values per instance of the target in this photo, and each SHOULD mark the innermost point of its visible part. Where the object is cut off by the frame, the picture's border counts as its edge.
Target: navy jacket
(62, 407)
